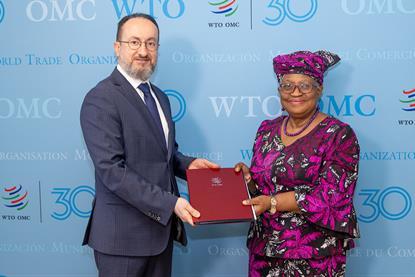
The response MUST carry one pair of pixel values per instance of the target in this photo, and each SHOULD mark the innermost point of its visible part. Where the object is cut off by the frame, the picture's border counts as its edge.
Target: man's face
(139, 63)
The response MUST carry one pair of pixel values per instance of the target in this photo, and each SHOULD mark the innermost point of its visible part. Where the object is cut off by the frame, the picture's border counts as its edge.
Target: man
(128, 129)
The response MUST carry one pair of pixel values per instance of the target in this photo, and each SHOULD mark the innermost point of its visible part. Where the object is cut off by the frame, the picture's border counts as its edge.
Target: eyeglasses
(135, 44)
(289, 88)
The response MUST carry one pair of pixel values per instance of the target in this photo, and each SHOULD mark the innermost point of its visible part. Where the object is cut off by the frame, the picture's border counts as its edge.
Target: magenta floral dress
(321, 168)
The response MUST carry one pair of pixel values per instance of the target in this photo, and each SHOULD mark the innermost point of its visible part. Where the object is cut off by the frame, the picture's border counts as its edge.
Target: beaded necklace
(302, 129)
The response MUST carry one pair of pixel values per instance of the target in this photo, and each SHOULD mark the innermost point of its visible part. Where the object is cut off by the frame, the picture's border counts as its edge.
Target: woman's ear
(320, 90)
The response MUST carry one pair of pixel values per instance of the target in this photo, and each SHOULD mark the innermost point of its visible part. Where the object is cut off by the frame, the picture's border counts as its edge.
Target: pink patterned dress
(322, 169)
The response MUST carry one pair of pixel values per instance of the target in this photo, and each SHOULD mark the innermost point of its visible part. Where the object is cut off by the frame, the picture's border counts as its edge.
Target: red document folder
(217, 194)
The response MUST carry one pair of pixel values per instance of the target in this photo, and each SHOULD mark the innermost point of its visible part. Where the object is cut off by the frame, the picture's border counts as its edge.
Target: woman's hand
(245, 170)
(261, 203)
(253, 188)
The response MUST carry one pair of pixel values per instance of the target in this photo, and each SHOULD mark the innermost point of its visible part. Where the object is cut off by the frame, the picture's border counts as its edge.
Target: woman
(303, 176)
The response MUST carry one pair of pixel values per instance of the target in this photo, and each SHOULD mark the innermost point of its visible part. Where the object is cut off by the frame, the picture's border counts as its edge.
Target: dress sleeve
(262, 158)
(329, 203)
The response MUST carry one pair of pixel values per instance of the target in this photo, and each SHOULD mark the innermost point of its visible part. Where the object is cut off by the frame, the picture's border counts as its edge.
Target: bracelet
(274, 202)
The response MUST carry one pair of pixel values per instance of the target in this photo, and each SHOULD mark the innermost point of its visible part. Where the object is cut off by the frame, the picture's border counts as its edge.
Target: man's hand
(261, 203)
(202, 163)
(185, 211)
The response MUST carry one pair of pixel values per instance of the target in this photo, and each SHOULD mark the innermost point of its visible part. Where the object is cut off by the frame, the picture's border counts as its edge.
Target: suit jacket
(135, 184)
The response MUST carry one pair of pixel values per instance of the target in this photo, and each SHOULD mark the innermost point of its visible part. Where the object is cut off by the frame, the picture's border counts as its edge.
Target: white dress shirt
(135, 83)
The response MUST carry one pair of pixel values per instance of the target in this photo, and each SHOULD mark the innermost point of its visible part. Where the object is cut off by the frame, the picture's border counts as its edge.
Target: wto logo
(15, 198)
(409, 107)
(2, 11)
(73, 200)
(178, 106)
(227, 7)
(172, 9)
(392, 203)
(410, 102)
(293, 10)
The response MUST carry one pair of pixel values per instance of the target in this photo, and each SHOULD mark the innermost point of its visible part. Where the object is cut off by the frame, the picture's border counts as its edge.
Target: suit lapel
(132, 96)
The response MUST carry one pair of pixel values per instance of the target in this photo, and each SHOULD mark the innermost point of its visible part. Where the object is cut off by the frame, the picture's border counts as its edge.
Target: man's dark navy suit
(135, 171)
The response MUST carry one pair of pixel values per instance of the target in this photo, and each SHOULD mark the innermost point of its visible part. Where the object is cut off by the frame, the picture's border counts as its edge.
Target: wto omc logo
(410, 102)
(2, 11)
(178, 105)
(15, 198)
(227, 7)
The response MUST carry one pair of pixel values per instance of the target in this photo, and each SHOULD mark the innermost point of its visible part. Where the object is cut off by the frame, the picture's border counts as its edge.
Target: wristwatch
(273, 208)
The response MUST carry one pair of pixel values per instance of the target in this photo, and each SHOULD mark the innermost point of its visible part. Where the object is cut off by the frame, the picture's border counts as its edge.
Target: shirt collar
(133, 81)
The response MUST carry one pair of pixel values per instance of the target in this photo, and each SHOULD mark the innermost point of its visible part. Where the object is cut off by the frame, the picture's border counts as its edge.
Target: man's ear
(117, 48)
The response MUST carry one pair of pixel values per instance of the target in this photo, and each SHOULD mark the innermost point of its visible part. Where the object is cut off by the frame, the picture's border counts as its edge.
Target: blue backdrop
(216, 66)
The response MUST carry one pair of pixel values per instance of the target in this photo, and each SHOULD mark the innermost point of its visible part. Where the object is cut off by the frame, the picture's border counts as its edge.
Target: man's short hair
(135, 15)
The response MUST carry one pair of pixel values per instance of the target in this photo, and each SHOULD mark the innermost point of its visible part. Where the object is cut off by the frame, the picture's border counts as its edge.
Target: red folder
(217, 194)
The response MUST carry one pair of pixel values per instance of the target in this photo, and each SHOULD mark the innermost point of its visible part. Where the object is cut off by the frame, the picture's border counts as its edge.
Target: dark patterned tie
(151, 105)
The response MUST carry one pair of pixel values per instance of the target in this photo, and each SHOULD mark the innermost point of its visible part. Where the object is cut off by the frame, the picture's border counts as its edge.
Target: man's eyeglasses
(289, 88)
(135, 44)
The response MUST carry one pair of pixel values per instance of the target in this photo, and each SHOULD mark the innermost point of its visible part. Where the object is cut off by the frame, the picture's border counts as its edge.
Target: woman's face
(299, 94)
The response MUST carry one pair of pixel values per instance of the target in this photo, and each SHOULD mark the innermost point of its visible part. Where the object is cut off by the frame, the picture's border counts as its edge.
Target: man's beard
(141, 74)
